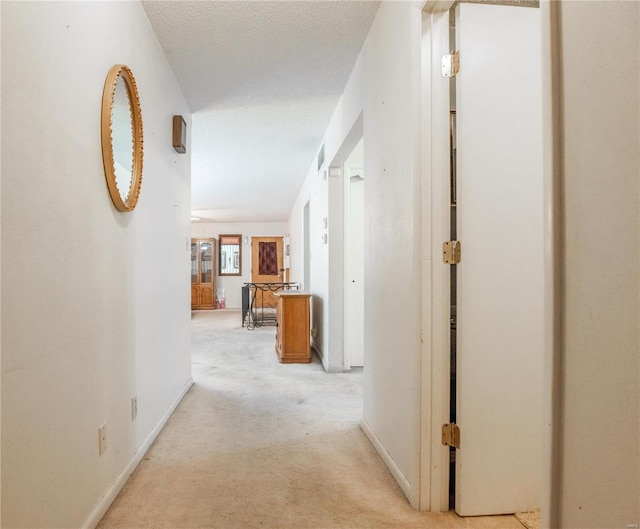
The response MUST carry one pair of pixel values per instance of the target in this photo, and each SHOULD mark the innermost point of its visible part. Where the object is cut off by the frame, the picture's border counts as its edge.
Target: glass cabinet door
(206, 262)
(203, 277)
(194, 263)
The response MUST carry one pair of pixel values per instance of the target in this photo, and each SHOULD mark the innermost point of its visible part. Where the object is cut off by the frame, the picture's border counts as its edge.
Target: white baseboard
(388, 460)
(321, 357)
(105, 502)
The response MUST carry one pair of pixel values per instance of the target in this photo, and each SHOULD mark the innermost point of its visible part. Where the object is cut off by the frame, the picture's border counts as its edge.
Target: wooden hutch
(203, 276)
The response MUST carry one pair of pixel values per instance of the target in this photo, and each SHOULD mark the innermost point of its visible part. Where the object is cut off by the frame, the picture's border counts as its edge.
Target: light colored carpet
(258, 444)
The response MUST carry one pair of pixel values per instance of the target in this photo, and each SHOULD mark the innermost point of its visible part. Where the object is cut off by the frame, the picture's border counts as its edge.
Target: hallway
(259, 444)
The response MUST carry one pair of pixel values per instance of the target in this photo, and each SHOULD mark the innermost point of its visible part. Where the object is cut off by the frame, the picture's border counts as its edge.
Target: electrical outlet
(134, 408)
(314, 332)
(102, 439)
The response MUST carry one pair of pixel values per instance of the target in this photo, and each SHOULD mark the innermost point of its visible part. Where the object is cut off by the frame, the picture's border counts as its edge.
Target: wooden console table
(293, 341)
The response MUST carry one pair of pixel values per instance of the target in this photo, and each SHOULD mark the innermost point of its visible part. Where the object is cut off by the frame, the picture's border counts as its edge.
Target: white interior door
(355, 294)
(499, 307)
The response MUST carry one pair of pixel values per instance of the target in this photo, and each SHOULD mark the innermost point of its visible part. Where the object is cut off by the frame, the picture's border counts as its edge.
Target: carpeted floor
(257, 444)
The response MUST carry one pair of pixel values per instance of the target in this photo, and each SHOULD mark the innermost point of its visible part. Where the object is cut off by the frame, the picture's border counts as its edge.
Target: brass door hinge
(451, 64)
(451, 252)
(451, 435)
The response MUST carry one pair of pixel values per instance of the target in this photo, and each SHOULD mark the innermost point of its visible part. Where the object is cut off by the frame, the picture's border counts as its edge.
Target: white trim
(105, 502)
(434, 480)
(321, 357)
(437, 6)
(551, 131)
(346, 194)
(426, 350)
(388, 460)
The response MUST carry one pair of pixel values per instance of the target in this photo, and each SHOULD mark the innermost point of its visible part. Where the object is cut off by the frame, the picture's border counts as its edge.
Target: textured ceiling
(262, 80)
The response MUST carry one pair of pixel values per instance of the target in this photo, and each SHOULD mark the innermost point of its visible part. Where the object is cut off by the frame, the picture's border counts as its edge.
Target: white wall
(233, 284)
(96, 302)
(596, 473)
(384, 87)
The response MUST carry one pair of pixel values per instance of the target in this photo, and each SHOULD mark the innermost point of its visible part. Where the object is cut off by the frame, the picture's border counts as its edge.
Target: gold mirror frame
(131, 199)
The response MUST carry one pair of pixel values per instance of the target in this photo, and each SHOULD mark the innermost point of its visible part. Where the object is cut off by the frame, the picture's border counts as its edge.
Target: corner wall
(95, 302)
(384, 88)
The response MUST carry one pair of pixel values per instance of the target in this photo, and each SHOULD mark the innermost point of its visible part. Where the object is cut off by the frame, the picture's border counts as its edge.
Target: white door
(355, 293)
(499, 325)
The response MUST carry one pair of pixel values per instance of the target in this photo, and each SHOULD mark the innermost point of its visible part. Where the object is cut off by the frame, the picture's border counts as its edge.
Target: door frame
(306, 253)
(434, 409)
(337, 228)
(434, 467)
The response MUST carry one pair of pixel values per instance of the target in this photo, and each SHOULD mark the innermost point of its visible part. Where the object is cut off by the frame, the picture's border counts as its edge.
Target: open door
(499, 392)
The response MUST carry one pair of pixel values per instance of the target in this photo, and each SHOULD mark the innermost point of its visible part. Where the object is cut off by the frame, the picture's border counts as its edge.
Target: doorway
(345, 224)
(306, 278)
(487, 341)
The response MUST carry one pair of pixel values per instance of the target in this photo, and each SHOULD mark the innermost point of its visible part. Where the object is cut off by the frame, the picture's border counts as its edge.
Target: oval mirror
(122, 137)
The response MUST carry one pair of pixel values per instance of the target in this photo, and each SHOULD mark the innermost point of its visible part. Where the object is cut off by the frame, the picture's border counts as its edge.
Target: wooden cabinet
(203, 281)
(293, 342)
